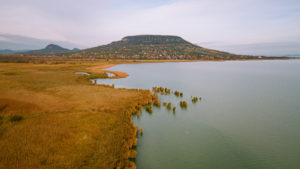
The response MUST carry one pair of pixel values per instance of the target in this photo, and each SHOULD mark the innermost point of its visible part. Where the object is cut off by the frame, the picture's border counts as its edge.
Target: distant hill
(19, 42)
(293, 55)
(146, 47)
(51, 49)
(75, 49)
(155, 47)
(8, 51)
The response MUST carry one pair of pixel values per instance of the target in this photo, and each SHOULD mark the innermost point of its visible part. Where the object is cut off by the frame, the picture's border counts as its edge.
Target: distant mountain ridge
(155, 47)
(51, 49)
(146, 47)
(293, 55)
(21, 43)
(8, 51)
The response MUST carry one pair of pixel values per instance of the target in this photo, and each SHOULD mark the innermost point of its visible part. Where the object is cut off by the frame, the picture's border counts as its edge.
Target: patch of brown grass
(67, 122)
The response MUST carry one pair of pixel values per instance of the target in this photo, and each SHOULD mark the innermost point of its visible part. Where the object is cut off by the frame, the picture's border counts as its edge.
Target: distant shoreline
(102, 67)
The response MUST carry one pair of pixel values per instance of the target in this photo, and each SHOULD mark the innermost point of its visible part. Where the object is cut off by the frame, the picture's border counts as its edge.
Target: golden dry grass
(67, 122)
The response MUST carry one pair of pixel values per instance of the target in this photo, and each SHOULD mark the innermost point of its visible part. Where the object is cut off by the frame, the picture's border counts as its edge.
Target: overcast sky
(95, 22)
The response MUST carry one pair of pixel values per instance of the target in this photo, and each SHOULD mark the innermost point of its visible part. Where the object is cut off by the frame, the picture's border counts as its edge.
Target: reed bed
(51, 117)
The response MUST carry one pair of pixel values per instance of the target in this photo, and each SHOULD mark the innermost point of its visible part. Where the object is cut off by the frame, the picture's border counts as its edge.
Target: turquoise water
(249, 117)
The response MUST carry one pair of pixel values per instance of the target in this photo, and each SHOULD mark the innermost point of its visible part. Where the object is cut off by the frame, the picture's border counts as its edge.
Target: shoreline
(101, 67)
(136, 111)
(93, 123)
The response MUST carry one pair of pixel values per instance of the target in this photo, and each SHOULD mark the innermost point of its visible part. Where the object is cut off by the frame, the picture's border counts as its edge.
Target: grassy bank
(51, 117)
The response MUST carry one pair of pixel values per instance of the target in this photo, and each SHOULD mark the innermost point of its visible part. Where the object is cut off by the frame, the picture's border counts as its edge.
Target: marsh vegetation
(51, 117)
(194, 99)
(183, 104)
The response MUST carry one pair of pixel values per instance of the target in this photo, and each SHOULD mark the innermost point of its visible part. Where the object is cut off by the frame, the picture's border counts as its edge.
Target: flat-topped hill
(152, 39)
(154, 47)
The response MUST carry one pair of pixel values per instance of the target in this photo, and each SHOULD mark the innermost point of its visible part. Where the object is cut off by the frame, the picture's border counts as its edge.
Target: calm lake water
(249, 117)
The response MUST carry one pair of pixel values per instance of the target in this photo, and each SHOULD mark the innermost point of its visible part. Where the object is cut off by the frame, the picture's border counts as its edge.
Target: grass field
(51, 117)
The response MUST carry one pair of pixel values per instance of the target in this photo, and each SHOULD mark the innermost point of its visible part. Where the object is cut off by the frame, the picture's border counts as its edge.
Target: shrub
(176, 93)
(155, 89)
(130, 165)
(141, 131)
(132, 154)
(138, 113)
(149, 108)
(174, 109)
(183, 104)
(194, 99)
(155, 100)
(135, 140)
(15, 118)
(167, 91)
(136, 110)
(154, 96)
(181, 94)
(169, 105)
(161, 89)
(156, 103)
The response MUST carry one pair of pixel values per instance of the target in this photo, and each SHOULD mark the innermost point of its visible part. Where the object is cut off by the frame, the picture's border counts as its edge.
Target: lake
(249, 116)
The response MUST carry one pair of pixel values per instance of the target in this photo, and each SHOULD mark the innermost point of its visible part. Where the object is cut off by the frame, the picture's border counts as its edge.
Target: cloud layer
(96, 22)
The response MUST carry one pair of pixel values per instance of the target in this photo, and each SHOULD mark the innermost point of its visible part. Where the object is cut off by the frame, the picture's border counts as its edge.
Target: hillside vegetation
(154, 47)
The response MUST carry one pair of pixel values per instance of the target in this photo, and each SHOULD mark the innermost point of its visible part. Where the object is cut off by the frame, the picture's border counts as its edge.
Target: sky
(91, 23)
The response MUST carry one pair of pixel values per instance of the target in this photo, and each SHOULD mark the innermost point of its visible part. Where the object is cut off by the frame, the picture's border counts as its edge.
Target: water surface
(249, 116)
